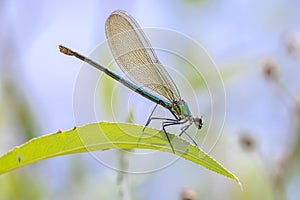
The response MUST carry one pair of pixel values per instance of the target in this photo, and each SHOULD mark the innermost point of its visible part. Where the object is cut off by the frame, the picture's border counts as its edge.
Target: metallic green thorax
(180, 109)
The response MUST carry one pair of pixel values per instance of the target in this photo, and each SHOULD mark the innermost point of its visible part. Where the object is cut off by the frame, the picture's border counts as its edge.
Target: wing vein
(133, 53)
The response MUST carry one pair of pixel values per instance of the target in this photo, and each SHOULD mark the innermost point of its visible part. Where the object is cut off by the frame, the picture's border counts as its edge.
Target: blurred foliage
(15, 110)
(18, 106)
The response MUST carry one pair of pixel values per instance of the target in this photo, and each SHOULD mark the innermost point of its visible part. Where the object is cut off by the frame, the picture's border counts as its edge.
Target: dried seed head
(293, 43)
(297, 104)
(247, 142)
(270, 69)
(188, 193)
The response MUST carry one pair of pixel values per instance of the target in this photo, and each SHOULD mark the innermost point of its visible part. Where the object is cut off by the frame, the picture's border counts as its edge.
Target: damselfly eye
(198, 122)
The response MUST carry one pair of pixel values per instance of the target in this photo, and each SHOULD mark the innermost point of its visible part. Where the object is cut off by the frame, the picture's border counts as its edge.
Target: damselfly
(135, 56)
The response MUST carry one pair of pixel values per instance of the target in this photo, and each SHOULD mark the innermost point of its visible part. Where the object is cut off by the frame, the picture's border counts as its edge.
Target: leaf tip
(240, 184)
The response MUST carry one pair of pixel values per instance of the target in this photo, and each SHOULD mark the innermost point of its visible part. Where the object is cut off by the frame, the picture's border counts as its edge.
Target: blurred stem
(19, 107)
(280, 191)
(123, 179)
(288, 159)
(296, 151)
(286, 91)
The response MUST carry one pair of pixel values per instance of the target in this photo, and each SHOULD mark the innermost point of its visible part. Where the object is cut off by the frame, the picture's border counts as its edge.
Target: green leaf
(103, 136)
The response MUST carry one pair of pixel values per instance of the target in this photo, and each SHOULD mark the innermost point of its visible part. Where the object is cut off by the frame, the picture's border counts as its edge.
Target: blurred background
(256, 47)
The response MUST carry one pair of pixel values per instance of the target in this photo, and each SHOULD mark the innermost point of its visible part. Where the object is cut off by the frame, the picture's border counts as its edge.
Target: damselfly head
(198, 122)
